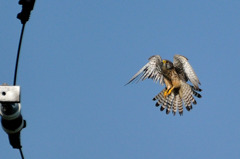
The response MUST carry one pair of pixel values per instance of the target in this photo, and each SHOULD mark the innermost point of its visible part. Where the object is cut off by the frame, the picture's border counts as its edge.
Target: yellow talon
(168, 92)
(165, 93)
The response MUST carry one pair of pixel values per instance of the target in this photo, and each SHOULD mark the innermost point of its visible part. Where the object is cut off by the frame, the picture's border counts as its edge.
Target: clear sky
(77, 55)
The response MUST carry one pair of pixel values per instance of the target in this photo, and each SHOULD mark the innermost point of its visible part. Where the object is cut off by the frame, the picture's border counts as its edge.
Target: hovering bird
(177, 91)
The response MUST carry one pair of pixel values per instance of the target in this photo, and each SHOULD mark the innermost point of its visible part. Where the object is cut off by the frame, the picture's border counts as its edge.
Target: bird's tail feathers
(187, 92)
(184, 95)
(166, 102)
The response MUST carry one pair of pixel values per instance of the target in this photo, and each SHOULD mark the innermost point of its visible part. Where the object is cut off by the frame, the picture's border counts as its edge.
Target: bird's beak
(164, 61)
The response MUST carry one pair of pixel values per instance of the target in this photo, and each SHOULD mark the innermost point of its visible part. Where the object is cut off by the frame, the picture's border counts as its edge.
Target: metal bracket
(10, 94)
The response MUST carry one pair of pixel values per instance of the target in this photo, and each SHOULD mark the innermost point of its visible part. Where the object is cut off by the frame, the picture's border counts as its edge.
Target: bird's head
(166, 65)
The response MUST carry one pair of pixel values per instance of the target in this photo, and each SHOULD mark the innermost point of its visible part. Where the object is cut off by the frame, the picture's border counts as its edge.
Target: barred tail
(178, 97)
(178, 105)
(187, 92)
(165, 103)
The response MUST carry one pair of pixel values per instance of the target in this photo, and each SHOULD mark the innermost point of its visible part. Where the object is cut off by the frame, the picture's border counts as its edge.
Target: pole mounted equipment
(27, 7)
(10, 110)
(10, 106)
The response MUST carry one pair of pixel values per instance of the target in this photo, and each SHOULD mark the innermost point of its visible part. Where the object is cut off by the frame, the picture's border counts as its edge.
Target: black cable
(18, 54)
(21, 153)
(16, 69)
(24, 15)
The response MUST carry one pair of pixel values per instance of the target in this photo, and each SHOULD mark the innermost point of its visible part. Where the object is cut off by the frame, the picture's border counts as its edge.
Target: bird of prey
(175, 76)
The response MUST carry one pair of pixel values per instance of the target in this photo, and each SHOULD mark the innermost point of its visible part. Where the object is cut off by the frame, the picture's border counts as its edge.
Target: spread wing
(185, 70)
(150, 70)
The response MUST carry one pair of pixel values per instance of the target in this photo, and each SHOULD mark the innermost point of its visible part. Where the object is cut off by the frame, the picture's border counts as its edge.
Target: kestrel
(175, 76)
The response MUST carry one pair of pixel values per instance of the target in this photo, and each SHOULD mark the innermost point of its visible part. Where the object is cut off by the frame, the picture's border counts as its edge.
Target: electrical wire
(16, 68)
(18, 55)
(27, 7)
(21, 153)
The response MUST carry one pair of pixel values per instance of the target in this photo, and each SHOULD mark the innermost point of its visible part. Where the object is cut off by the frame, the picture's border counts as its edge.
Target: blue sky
(77, 55)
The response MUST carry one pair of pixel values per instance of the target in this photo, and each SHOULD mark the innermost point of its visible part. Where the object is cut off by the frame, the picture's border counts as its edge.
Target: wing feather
(185, 70)
(150, 70)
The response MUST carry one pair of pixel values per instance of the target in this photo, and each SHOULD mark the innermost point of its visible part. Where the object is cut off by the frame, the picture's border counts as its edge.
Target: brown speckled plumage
(175, 76)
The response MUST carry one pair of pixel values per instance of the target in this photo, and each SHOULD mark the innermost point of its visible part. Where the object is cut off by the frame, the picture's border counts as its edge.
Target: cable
(27, 7)
(21, 153)
(16, 68)
(18, 54)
